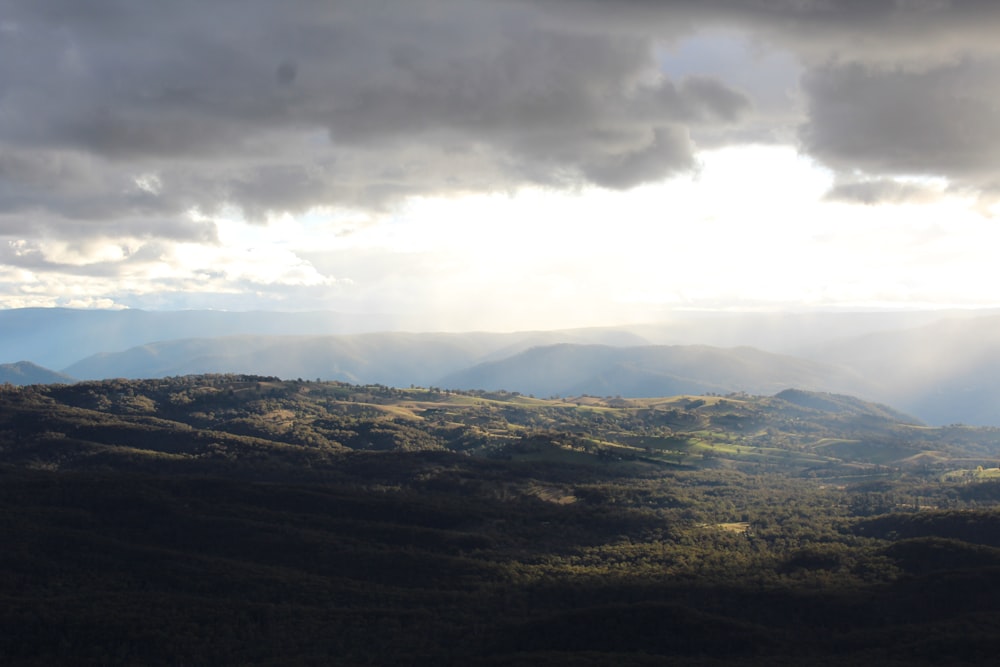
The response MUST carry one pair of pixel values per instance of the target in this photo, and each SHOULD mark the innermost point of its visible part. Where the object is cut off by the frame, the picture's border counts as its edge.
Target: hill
(567, 370)
(197, 420)
(231, 520)
(58, 337)
(941, 367)
(25, 372)
(449, 360)
(831, 403)
(398, 359)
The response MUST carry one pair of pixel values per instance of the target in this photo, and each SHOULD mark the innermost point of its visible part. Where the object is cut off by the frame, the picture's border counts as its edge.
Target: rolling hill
(568, 370)
(398, 359)
(25, 372)
(234, 520)
(196, 421)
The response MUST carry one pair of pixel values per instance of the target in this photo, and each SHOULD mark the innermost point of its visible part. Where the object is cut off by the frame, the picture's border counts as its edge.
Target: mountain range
(941, 367)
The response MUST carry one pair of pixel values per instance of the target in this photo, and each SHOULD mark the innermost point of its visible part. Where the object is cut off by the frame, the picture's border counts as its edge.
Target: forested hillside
(247, 520)
(794, 431)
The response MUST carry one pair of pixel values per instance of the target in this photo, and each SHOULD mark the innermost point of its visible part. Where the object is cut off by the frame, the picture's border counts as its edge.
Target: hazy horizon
(453, 322)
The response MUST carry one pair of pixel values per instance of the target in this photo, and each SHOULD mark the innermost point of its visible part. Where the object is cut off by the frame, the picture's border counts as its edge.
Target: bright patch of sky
(750, 230)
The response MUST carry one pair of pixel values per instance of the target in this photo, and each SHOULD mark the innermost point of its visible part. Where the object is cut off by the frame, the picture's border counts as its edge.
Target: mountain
(839, 404)
(455, 361)
(25, 372)
(569, 370)
(942, 367)
(59, 337)
(397, 359)
(946, 372)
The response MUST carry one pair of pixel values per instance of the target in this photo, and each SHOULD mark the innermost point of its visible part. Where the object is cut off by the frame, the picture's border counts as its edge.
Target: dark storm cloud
(113, 112)
(286, 73)
(74, 195)
(940, 120)
(421, 96)
(893, 88)
(818, 22)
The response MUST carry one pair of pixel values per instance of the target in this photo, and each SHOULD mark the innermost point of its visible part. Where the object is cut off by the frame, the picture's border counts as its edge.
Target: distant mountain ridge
(59, 337)
(25, 373)
(567, 370)
(453, 362)
(398, 359)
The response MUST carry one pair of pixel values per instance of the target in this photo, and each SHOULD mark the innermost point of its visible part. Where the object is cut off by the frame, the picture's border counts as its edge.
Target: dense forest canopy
(238, 519)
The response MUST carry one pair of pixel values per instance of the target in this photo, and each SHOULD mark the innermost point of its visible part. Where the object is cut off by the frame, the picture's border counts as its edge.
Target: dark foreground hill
(241, 520)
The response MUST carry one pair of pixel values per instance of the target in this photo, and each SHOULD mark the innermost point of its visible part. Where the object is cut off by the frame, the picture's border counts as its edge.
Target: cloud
(880, 191)
(939, 121)
(391, 99)
(138, 124)
(236, 104)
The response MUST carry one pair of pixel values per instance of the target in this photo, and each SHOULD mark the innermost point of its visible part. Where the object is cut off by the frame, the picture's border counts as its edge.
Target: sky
(500, 164)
